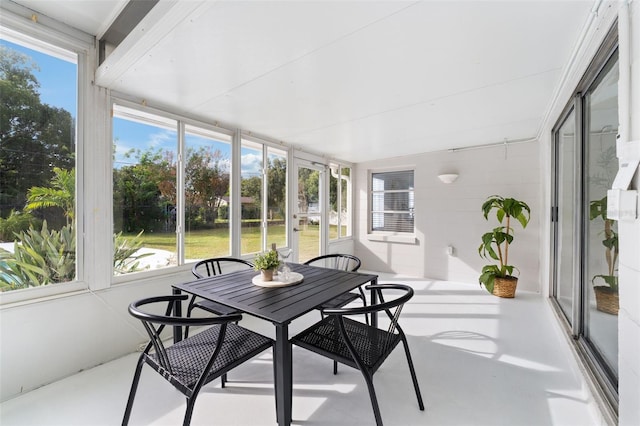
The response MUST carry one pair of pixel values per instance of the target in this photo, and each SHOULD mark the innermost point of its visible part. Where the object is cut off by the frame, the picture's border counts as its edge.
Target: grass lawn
(207, 243)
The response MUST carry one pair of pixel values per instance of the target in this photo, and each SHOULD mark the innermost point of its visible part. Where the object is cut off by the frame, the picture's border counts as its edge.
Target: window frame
(339, 166)
(389, 236)
(182, 122)
(58, 40)
(266, 147)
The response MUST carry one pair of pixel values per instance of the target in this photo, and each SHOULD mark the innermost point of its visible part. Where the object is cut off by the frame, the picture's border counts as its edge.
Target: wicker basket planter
(607, 300)
(505, 286)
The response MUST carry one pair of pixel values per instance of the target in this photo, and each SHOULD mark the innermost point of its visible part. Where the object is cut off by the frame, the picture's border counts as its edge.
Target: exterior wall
(451, 215)
(629, 234)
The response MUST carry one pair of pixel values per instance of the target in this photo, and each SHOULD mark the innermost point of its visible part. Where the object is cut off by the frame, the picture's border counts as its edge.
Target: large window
(392, 202)
(38, 223)
(263, 219)
(173, 197)
(207, 187)
(144, 190)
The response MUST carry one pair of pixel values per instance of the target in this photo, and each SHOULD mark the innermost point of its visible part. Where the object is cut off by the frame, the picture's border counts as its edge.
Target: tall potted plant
(498, 279)
(607, 298)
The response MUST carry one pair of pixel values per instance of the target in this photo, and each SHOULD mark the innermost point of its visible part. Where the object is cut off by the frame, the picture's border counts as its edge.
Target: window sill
(392, 238)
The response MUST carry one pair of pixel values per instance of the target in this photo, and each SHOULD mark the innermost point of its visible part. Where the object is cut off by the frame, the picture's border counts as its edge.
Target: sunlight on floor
(465, 343)
(526, 363)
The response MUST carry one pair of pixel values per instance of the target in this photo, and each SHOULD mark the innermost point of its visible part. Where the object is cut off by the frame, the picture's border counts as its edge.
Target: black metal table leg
(283, 373)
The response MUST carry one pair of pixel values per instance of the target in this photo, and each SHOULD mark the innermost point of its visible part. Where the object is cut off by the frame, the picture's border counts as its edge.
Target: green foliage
(507, 207)
(60, 194)
(598, 210)
(143, 192)
(15, 223)
(35, 137)
(125, 259)
(268, 260)
(223, 212)
(495, 244)
(206, 182)
(48, 257)
(39, 258)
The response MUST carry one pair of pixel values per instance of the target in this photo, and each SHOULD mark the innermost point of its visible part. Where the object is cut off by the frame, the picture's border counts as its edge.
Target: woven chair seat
(197, 360)
(372, 345)
(188, 358)
(361, 345)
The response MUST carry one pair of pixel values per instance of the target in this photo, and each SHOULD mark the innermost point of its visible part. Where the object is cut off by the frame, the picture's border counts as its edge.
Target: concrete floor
(480, 360)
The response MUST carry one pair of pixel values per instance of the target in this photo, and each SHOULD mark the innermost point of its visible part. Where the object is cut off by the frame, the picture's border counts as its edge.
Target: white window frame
(388, 236)
(338, 166)
(48, 36)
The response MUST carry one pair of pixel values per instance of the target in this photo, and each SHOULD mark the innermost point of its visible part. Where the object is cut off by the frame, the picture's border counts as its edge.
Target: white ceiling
(354, 80)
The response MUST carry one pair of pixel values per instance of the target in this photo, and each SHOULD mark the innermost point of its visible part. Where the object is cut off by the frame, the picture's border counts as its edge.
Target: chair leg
(132, 392)
(413, 373)
(372, 394)
(335, 367)
(189, 412)
(223, 380)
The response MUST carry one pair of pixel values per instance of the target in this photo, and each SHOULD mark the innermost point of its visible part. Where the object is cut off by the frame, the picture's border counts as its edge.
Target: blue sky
(57, 78)
(58, 87)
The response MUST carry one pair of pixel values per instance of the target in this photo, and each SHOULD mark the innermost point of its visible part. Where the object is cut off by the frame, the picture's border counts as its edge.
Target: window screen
(392, 201)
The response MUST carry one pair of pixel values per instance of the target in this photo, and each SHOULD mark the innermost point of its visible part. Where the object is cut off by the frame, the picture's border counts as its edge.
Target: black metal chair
(194, 361)
(360, 345)
(209, 268)
(345, 262)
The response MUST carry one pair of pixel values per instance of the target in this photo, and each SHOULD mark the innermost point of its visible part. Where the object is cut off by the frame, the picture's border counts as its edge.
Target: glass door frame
(322, 203)
(607, 385)
(575, 108)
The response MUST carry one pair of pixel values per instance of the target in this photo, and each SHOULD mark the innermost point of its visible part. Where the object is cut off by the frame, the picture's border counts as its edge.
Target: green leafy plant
(495, 244)
(598, 209)
(125, 259)
(268, 260)
(60, 194)
(15, 223)
(39, 258)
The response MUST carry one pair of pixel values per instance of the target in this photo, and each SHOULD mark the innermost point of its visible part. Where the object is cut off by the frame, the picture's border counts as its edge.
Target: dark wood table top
(280, 304)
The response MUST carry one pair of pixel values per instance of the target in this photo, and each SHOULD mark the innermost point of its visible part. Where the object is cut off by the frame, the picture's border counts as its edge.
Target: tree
(34, 137)
(61, 194)
(277, 178)
(142, 192)
(206, 182)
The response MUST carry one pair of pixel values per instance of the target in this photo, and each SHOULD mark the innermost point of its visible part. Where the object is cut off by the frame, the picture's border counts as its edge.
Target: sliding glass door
(601, 237)
(565, 217)
(585, 241)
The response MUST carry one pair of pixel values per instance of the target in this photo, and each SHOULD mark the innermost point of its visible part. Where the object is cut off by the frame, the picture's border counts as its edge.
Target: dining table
(280, 305)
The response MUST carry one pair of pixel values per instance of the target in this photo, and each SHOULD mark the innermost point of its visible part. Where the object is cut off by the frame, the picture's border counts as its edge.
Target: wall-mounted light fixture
(448, 177)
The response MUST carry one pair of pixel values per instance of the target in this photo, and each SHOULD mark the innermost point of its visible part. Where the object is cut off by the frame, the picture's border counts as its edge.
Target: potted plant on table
(607, 298)
(267, 263)
(498, 279)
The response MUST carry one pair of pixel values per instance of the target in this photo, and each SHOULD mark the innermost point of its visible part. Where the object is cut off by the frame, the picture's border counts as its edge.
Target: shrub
(16, 222)
(39, 258)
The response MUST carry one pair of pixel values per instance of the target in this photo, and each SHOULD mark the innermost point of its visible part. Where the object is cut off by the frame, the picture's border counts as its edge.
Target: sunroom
(143, 136)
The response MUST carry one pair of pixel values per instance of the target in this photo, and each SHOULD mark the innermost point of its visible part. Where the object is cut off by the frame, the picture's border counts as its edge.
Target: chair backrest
(396, 304)
(345, 262)
(155, 323)
(219, 265)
